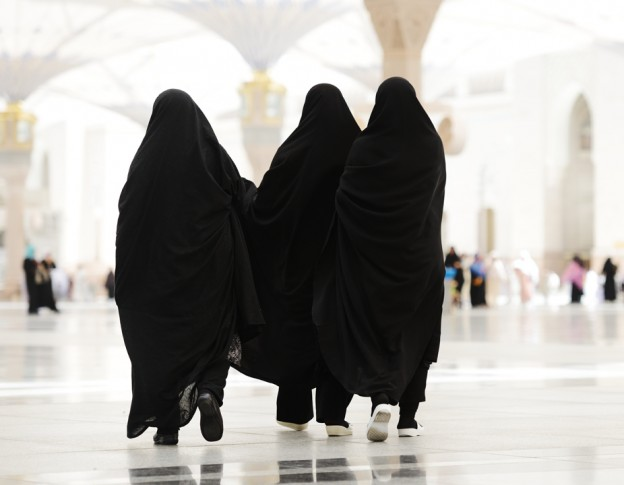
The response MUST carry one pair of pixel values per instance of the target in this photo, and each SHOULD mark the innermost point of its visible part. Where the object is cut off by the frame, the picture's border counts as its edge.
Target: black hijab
(182, 280)
(286, 227)
(379, 287)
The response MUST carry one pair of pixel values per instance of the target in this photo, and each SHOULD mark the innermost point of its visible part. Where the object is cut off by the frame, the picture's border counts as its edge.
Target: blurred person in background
(527, 272)
(81, 287)
(44, 283)
(60, 283)
(478, 273)
(497, 289)
(609, 270)
(109, 284)
(575, 275)
(30, 265)
(454, 260)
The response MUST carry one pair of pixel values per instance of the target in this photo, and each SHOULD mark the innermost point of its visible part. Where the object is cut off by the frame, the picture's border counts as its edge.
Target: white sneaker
(407, 432)
(377, 429)
(338, 430)
(295, 426)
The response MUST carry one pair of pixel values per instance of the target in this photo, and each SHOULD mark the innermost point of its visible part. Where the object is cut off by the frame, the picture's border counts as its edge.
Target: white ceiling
(121, 53)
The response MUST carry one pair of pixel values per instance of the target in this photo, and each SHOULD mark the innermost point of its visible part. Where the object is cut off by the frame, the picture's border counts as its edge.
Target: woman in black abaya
(286, 226)
(30, 273)
(609, 270)
(183, 283)
(380, 284)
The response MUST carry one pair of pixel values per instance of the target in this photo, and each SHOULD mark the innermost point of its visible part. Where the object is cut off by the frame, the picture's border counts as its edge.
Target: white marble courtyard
(520, 396)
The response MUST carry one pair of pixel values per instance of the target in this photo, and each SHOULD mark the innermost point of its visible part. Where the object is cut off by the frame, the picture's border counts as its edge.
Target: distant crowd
(490, 281)
(45, 283)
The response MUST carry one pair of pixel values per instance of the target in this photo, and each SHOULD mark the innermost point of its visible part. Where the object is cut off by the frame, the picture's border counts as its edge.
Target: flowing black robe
(46, 292)
(30, 270)
(286, 226)
(380, 283)
(183, 282)
(609, 270)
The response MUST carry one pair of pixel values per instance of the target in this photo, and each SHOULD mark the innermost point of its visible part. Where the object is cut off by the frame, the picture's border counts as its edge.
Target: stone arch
(577, 183)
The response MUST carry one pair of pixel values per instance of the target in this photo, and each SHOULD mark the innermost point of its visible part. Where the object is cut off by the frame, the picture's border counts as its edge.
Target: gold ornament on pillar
(16, 128)
(262, 100)
(261, 120)
(16, 141)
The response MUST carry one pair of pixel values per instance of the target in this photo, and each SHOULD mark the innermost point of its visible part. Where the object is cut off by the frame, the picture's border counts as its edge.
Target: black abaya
(46, 293)
(30, 270)
(183, 282)
(286, 226)
(609, 270)
(379, 286)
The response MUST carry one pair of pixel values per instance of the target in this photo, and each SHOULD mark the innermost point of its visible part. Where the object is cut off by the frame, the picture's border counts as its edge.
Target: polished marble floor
(520, 396)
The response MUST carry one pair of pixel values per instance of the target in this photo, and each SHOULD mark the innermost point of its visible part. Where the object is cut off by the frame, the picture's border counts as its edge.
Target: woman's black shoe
(166, 438)
(211, 422)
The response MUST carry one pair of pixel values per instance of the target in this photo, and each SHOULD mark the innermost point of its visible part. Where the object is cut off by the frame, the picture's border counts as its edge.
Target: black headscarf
(182, 281)
(286, 227)
(379, 287)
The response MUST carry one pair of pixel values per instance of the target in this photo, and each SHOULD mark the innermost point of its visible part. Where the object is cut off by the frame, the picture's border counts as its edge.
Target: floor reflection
(334, 470)
(393, 468)
(178, 475)
(211, 474)
(374, 469)
(579, 325)
(79, 343)
(296, 471)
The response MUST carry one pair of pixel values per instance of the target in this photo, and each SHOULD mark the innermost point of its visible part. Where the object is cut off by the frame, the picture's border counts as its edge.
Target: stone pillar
(261, 121)
(16, 138)
(402, 27)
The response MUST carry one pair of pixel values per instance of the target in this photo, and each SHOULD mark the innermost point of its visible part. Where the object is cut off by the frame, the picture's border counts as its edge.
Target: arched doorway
(578, 184)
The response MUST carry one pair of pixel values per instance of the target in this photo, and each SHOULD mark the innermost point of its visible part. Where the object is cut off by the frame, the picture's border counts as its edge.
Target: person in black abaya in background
(478, 276)
(109, 284)
(46, 292)
(286, 226)
(30, 266)
(379, 287)
(183, 282)
(609, 270)
(453, 260)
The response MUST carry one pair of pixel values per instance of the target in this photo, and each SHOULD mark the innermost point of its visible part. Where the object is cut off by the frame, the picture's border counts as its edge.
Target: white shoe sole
(378, 425)
(337, 430)
(409, 432)
(294, 426)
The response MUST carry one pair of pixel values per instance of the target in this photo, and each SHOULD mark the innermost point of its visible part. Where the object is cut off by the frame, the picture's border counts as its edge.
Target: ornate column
(402, 27)
(261, 121)
(16, 139)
